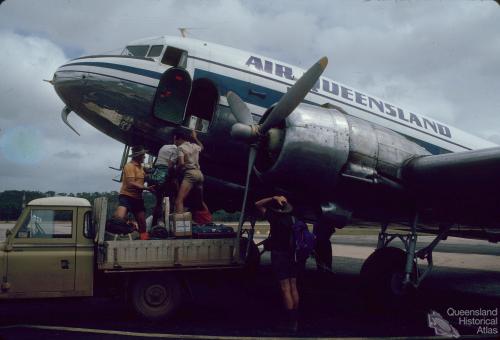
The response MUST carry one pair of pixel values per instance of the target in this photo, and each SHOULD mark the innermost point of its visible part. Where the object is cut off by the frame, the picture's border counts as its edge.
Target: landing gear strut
(390, 274)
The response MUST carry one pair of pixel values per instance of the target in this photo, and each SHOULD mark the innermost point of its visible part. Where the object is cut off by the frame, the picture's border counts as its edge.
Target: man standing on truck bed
(188, 164)
(166, 184)
(130, 198)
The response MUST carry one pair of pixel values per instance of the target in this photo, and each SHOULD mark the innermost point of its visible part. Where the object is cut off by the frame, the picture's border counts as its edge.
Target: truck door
(42, 258)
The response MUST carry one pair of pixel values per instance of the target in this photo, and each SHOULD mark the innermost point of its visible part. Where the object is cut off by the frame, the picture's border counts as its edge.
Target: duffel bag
(118, 226)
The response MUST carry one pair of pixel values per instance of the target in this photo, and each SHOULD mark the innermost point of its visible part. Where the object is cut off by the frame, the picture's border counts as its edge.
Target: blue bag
(159, 175)
(304, 240)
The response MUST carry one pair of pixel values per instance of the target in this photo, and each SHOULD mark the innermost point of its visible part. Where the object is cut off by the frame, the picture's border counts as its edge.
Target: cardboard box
(180, 225)
(198, 124)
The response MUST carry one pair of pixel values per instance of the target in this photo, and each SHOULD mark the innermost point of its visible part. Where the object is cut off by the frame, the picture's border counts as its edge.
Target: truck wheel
(156, 297)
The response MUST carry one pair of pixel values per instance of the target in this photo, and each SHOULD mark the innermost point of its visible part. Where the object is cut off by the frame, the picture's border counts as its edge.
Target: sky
(438, 58)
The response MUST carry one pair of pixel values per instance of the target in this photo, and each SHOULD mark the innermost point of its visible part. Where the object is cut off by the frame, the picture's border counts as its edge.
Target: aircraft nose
(67, 83)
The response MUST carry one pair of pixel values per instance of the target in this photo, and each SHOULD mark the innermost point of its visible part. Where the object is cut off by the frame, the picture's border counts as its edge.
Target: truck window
(136, 50)
(88, 227)
(155, 51)
(47, 223)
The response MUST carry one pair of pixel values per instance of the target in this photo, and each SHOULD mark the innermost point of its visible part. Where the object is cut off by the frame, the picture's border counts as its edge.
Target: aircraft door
(172, 95)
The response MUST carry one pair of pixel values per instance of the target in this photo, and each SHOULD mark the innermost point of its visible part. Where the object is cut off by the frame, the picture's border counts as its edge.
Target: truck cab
(50, 250)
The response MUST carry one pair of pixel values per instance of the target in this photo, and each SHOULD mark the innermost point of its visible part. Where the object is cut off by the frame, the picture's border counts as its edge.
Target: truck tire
(156, 297)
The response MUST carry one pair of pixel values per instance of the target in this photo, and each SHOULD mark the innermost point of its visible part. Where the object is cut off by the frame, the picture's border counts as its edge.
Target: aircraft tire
(381, 277)
(156, 297)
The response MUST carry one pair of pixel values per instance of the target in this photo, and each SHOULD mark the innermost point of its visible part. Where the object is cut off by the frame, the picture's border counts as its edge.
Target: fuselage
(122, 95)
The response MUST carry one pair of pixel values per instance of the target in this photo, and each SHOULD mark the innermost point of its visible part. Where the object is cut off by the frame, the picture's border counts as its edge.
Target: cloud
(22, 145)
(66, 154)
(37, 150)
(26, 61)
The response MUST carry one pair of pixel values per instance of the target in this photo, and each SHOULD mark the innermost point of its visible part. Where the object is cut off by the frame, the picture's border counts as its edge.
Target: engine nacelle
(315, 148)
(308, 155)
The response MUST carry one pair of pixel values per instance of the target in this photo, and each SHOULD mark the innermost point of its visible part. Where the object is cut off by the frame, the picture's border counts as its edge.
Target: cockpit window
(155, 51)
(175, 57)
(136, 50)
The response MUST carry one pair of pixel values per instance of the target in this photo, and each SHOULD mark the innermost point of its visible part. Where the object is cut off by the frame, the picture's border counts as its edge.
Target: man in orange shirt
(130, 198)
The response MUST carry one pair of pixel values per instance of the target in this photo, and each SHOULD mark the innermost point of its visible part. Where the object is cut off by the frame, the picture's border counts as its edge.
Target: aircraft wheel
(252, 261)
(156, 297)
(382, 276)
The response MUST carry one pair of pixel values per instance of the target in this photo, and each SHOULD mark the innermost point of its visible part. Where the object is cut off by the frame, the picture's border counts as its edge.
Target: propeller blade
(240, 110)
(251, 161)
(295, 95)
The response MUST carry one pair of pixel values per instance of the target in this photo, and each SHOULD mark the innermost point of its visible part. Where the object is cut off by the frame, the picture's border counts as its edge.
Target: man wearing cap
(277, 211)
(130, 198)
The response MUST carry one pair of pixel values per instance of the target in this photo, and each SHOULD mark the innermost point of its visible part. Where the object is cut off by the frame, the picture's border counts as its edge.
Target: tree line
(12, 202)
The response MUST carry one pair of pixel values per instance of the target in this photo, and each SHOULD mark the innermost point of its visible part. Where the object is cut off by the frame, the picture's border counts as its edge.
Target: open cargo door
(172, 95)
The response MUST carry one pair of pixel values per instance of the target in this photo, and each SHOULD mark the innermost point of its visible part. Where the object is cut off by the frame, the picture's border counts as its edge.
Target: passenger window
(175, 57)
(155, 51)
(46, 223)
(136, 50)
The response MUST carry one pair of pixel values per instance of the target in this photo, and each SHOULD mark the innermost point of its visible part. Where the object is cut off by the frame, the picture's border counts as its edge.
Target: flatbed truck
(58, 248)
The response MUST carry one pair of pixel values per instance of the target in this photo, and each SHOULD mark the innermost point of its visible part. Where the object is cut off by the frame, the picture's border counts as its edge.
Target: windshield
(136, 50)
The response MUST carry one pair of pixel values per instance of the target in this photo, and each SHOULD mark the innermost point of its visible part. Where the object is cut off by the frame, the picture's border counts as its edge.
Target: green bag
(158, 175)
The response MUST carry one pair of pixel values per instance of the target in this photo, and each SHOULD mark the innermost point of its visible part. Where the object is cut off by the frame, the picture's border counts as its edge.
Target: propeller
(295, 95)
(239, 108)
(246, 130)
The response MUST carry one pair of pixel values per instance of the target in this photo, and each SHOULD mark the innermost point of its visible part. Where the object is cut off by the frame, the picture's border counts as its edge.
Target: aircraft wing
(465, 184)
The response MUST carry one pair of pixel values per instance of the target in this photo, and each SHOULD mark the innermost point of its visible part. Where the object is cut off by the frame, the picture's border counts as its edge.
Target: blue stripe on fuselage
(119, 67)
(242, 88)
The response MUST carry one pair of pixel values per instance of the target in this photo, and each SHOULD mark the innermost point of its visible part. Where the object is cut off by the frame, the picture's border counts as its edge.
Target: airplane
(336, 152)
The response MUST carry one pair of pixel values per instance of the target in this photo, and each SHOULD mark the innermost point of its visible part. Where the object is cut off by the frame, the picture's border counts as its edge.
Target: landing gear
(390, 275)
(382, 277)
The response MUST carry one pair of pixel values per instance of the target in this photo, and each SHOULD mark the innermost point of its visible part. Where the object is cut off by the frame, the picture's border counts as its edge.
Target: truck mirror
(8, 232)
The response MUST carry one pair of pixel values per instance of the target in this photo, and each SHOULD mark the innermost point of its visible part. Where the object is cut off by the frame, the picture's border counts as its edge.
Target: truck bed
(169, 253)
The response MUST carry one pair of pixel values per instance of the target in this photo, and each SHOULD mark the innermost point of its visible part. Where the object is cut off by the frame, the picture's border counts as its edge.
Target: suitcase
(212, 230)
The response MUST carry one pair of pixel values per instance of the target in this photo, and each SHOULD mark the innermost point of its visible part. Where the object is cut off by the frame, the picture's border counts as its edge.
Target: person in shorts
(166, 161)
(130, 197)
(188, 165)
(277, 211)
